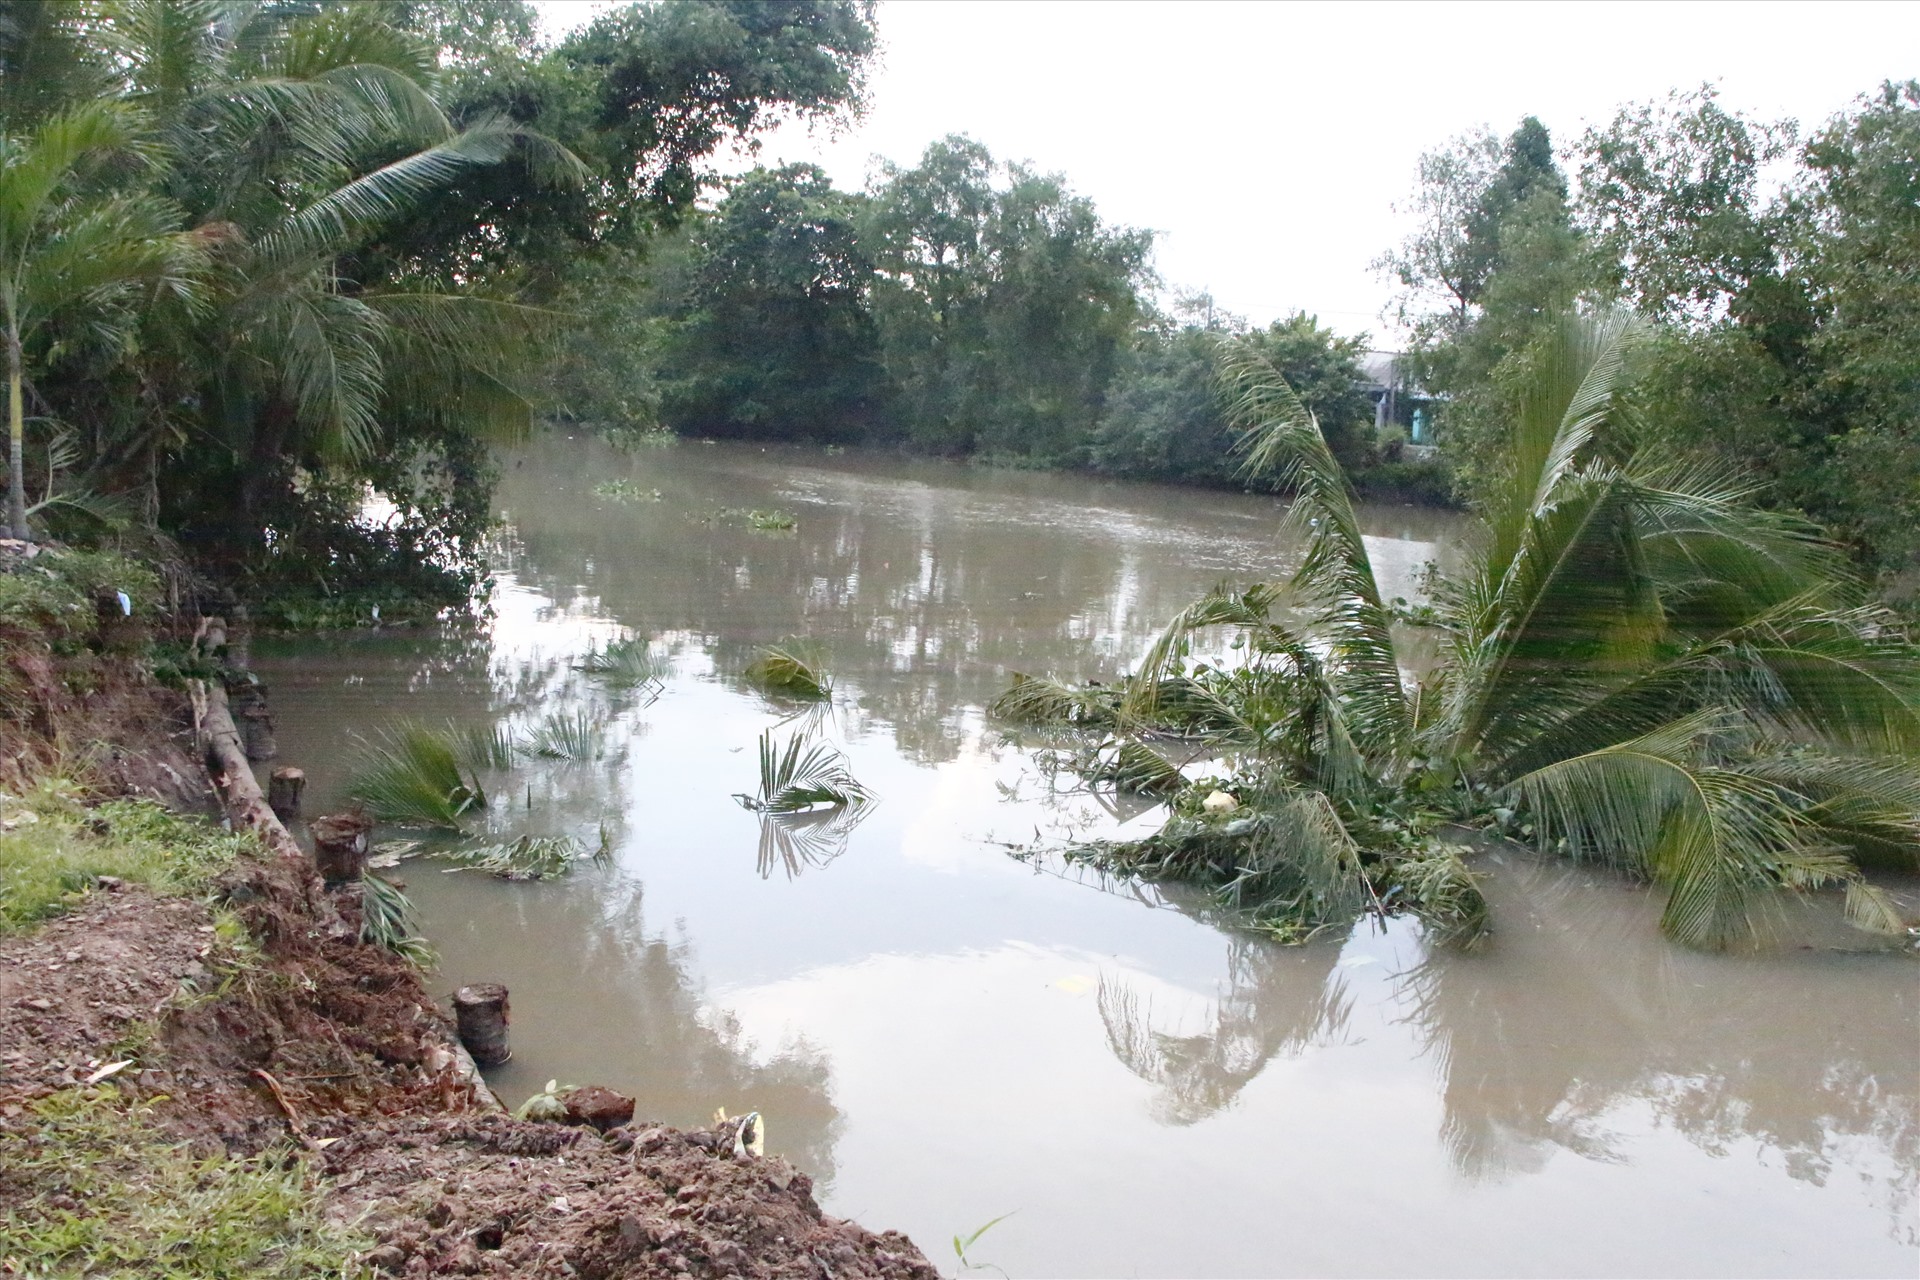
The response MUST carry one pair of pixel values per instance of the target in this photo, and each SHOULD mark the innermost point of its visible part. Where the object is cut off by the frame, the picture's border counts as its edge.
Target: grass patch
(54, 592)
(53, 849)
(94, 1187)
(790, 672)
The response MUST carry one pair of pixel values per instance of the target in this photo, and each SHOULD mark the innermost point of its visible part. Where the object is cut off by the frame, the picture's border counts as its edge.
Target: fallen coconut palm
(1641, 664)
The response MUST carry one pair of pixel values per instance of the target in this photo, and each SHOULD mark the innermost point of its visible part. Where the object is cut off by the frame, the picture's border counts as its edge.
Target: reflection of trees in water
(683, 1057)
(1278, 1002)
(928, 592)
(1578, 1010)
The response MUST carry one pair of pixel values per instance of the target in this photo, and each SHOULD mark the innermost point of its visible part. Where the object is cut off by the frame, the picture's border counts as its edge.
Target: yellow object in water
(1219, 802)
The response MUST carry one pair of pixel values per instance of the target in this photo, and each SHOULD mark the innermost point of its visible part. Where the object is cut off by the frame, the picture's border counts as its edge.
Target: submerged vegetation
(624, 662)
(765, 521)
(1649, 669)
(790, 670)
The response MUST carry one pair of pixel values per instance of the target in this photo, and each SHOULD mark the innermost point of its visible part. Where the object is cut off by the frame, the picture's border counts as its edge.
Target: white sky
(1267, 143)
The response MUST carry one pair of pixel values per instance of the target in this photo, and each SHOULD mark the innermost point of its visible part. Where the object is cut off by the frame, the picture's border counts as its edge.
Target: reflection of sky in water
(943, 1033)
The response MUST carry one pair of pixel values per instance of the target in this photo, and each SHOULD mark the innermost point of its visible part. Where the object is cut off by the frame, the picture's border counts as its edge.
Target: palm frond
(1445, 895)
(1283, 442)
(1717, 837)
(567, 735)
(528, 857)
(388, 920)
(482, 746)
(412, 775)
(624, 662)
(1035, 700)
(796, 777)
(790, 671)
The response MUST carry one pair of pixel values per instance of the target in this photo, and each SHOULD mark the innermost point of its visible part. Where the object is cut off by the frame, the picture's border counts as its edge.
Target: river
(943, 1033)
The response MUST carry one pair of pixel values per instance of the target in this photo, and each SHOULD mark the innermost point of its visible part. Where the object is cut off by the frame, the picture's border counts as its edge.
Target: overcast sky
(1268, 143)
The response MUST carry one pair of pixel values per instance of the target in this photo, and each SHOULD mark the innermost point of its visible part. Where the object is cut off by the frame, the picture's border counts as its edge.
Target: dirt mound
(494, 1196)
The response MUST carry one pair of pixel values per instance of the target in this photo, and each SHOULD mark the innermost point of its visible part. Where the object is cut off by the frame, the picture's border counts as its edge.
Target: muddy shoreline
(291, 1038)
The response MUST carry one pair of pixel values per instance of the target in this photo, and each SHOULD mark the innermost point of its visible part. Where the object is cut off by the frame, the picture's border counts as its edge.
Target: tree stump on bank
(284, 789)
(340, 844)
(480, 1011)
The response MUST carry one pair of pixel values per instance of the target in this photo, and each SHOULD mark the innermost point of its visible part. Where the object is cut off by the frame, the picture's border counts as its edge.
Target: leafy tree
(1510, 259)
(1168, 418)
(1003, 309)
(776, 340)
(1669, 204)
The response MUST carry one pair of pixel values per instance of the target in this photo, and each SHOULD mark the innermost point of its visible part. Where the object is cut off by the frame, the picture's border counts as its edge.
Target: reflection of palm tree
(1279, 1001)
(1578, 1008)
(812, 838)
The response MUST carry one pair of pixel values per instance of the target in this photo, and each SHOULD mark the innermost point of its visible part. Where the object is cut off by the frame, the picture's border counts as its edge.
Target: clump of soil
(488, 1195)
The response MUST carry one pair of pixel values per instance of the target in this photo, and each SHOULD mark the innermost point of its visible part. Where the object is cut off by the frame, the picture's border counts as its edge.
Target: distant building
(1397, 399)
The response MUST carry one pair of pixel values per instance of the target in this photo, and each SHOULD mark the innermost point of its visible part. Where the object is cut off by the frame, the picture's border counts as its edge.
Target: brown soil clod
(597, 1106)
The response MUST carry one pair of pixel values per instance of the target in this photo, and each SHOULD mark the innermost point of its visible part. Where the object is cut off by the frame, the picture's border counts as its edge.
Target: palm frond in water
(567, 735)
(790, 671)
(413, 775)
(624, 662)
(388, 921)
(1135, 766)
(797, 777)
(527, 858)
(1445, 895)
(1037, 700)
(482, 746)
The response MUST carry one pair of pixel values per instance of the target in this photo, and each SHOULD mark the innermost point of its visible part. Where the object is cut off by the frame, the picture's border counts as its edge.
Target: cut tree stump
(340, 844)
(481, 1014)
(284, 789)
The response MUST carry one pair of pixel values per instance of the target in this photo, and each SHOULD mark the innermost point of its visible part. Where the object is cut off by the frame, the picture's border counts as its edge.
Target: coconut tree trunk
(16, 441)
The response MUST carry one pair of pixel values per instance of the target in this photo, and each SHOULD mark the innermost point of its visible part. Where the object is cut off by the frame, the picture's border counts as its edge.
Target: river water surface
(943, 1033)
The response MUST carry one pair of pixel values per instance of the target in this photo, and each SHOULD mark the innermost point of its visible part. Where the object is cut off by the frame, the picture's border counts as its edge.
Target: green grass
(53, 848)
(94, 1187)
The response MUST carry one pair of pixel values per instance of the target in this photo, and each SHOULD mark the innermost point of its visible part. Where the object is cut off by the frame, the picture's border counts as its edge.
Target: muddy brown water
(945, 1033)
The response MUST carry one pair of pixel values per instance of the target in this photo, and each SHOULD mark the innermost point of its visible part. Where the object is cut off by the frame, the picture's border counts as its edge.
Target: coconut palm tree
(292, 139)
(67, 245)
(1642, 667)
